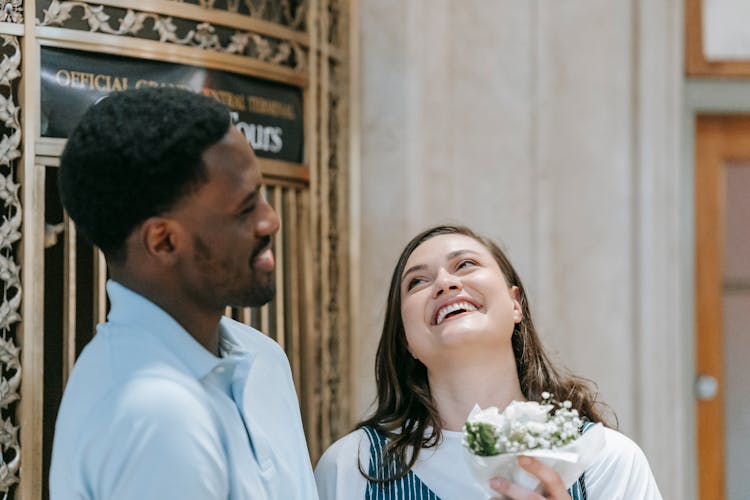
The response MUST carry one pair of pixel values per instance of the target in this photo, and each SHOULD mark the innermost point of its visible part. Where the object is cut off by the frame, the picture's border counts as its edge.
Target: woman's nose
(445, 282)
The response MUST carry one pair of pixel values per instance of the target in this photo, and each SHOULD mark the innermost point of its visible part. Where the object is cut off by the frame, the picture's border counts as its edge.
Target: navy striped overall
(410, 487)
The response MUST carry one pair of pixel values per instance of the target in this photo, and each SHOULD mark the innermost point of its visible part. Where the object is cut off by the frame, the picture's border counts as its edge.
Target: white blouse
(621, 471)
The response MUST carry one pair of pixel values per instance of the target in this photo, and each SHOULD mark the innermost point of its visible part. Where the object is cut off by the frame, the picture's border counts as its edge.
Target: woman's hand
(552, 484)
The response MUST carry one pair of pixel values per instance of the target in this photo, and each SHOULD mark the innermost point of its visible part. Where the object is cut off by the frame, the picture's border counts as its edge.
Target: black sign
(268, 113)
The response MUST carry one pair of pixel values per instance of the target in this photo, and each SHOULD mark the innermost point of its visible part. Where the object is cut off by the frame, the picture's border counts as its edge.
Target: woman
(458, 332)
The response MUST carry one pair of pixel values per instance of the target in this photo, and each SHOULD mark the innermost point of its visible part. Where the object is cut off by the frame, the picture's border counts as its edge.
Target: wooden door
(722, 150)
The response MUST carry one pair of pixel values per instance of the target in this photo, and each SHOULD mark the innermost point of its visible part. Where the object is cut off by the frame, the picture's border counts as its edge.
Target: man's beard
(261, 292)
(257, 291)
(264, 287)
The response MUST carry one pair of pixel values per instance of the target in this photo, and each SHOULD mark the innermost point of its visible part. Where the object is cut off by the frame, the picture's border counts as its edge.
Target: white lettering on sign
(260, 137)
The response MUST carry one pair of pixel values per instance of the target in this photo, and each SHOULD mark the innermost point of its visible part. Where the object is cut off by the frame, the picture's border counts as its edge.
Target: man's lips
(263, 259)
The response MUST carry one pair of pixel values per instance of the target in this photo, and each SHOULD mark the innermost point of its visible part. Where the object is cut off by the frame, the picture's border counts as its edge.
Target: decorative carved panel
(166, 29)
(10, 235)
(289, 13)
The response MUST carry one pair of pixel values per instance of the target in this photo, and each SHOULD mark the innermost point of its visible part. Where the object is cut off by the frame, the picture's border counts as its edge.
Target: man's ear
(162, 238)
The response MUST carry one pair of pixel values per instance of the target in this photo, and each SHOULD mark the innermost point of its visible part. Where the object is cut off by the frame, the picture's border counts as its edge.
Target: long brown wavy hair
(405, 410)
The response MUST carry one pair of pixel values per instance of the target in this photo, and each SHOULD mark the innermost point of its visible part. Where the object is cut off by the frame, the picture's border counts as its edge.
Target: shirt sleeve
(622, 471)
(337, 474)
(161, 443)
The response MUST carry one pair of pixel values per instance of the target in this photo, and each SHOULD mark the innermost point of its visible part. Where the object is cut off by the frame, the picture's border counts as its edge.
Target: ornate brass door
(53, 280)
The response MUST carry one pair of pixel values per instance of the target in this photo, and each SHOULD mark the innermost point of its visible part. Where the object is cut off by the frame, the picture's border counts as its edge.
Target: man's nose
(269, 222)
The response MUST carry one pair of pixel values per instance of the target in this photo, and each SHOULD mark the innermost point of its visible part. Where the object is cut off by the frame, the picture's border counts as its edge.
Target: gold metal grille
(297, 42)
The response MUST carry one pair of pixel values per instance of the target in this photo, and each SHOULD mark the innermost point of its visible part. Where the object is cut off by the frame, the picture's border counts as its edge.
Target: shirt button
(219, 369)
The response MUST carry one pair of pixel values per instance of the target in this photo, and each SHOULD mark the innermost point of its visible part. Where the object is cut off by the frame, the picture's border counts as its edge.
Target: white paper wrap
(569, 461)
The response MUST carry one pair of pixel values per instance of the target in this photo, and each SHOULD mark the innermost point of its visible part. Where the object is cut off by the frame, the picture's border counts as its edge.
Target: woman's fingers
(512, 490)
(551, 480)
(551, 483)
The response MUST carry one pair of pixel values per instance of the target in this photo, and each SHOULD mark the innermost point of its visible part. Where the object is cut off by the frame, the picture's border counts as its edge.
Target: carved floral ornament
(10, 273)
(203, 36)
(11, 11)
(284, 13)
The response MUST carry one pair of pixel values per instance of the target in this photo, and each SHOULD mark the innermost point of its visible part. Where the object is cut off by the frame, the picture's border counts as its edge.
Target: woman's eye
(413, 282)
(465, 263)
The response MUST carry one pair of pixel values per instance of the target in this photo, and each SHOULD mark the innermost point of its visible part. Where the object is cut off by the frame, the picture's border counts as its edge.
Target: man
(171, 399)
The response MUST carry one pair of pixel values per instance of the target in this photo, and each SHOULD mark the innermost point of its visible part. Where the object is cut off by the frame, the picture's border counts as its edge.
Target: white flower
(539, 428)
(490, 415)
(527, 411)
(522, 426)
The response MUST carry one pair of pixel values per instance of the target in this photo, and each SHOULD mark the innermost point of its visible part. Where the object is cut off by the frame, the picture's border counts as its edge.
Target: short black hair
(133, 155)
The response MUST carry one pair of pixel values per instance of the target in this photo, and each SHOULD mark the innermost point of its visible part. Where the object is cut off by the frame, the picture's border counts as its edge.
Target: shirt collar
(134, 310)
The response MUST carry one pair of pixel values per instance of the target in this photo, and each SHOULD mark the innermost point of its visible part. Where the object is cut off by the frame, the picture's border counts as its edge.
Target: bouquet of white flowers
(548, 431)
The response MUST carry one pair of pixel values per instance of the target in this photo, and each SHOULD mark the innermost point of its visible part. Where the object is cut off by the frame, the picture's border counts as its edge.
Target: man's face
(229, 261)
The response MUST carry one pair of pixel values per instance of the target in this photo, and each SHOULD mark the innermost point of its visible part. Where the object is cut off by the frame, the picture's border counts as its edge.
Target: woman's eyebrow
(412, 269)
(456, 253)
(450, 256)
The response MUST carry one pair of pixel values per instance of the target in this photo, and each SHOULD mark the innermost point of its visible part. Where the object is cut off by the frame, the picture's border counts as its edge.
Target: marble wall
(552, 127)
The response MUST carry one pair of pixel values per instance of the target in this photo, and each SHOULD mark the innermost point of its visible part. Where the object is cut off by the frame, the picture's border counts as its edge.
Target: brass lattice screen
(53, 280)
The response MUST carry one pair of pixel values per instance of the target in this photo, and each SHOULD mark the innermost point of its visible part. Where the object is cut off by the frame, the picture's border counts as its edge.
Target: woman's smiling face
(454, 295)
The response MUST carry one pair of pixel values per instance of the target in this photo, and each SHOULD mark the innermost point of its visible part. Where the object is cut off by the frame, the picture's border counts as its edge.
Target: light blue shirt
(148, 413)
